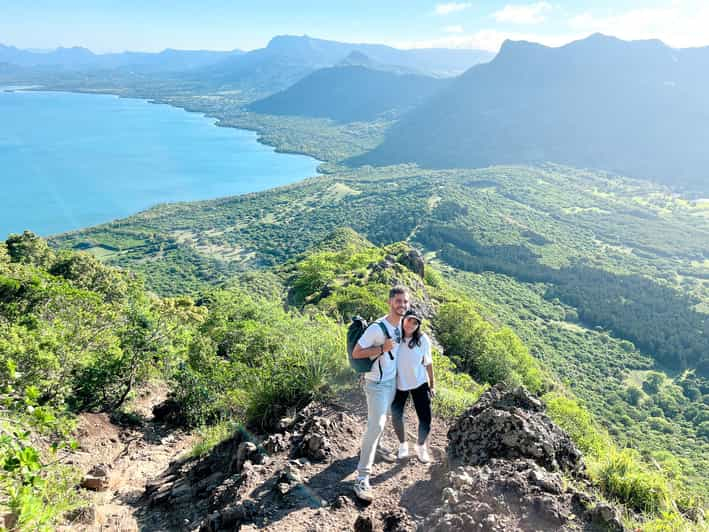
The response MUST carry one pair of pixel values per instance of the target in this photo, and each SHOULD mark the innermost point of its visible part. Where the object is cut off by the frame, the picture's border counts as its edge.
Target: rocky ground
(299, 479)
(502, 466)
(512, 469)
(118, 457)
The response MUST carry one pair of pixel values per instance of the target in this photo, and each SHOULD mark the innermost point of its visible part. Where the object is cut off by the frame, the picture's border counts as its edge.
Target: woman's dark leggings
(422, 404)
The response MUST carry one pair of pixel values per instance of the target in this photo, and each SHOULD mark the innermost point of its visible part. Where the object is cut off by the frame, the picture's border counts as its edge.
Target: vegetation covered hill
(350, 94)
(77, 336)
(637, 108)
(604, 278)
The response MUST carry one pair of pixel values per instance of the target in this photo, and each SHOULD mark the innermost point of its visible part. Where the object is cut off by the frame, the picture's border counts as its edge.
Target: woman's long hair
(415, 336)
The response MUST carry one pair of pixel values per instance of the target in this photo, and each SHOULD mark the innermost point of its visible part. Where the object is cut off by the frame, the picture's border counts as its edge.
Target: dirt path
(134, 451)
(319, 498)
(404, 492)
(284, 490)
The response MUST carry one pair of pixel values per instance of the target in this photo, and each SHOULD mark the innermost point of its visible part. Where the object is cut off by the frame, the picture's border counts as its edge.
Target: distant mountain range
(288, 59)
(639, 108)
(78, 58)
(351, 93)
(285, 60)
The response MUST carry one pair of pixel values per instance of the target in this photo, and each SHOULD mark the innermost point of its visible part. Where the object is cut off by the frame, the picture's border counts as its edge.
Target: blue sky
(153, 25)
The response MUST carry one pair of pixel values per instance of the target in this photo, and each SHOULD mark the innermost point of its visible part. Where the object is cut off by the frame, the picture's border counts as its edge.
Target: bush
(209, 436)
(37, 488)
(30, 249)
(368, 302)
(623, 476)
(633, 394)
(578, 423)
(455, 392)
(489, 355)
(251, 361)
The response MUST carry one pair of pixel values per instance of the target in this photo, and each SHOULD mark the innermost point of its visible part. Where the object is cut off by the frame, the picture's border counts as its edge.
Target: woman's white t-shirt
(411, 364)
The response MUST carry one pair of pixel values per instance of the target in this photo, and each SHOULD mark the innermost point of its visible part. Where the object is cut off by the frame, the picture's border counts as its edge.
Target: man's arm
(374, 351)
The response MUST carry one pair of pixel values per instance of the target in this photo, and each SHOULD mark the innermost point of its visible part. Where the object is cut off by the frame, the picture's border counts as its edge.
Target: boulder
(511, 423)
(97, 478)
(508, 458)
(414, 261)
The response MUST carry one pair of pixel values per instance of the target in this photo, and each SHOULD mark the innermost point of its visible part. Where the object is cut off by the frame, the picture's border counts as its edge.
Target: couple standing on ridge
(404, 366)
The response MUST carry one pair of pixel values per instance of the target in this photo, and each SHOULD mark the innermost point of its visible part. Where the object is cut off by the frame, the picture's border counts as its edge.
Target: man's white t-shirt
(375, 336)
(411, 364)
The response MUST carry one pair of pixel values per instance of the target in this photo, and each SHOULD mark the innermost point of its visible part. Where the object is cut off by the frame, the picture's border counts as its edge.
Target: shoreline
(213, 121)
(218, 121)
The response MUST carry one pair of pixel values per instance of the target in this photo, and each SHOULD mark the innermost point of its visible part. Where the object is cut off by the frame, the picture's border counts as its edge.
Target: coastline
(253, 135)
(218, 121)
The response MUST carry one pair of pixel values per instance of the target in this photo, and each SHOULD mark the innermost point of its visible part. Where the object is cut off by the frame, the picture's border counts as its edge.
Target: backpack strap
(385, 330)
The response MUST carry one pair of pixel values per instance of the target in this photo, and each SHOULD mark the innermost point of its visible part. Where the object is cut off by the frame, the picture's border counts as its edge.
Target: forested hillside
(499, 229)
(350, 94)
(79, 336)
(637, 108)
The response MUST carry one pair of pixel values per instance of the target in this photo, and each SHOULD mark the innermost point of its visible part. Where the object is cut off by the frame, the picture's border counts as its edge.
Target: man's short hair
(398, 289)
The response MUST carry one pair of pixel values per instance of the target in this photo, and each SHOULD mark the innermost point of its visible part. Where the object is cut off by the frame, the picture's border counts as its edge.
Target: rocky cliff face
(513, 469)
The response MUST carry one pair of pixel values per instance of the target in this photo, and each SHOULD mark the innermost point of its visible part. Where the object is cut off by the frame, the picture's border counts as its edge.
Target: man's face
(399, 304)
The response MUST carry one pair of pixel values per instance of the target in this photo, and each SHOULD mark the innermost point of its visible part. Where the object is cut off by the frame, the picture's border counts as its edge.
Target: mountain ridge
(350, 93)
(601, 102)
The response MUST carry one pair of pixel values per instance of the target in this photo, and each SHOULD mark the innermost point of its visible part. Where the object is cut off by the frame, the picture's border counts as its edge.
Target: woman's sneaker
(363, 490)
(403, 451)
(422, 453)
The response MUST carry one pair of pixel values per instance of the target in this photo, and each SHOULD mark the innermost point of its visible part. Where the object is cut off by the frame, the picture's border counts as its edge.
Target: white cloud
(451, 7)
(681, 23)
(453, 29)
(522, 13)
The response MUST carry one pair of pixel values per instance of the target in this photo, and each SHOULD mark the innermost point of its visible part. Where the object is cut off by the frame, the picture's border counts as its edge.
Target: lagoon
(70, 160)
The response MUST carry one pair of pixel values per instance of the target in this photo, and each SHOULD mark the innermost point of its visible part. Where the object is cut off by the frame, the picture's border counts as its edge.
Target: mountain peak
(357, 58)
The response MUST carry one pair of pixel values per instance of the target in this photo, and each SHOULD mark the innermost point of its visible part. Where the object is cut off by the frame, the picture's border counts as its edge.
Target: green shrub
(455, 392)
(633, 394)
(622, 475)
(304, 369)
(251, 361)
(577, 422)
(487, 354)
(209, 436)
(368, 302)
(36, 486)
(28, 248)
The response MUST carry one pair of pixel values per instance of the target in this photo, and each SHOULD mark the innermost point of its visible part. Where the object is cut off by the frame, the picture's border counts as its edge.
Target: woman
(414, 376)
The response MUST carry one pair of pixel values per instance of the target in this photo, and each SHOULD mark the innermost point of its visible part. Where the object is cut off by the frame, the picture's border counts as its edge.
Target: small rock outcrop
(97, 479)
(511, 424)
(508, 460)
(316, 431)
(414, 261)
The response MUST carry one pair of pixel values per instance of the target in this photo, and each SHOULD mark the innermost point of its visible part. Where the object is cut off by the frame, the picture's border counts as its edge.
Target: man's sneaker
(403, 451)
(422, 453)
(363, 490)
(385, 455)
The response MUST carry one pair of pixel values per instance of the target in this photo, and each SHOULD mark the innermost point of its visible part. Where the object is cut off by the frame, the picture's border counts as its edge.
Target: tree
(652, 382)
(28, 248)
(633, 394)
(4, 257)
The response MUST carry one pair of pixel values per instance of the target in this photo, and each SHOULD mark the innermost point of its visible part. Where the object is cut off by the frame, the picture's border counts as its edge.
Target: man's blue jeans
(379, 397)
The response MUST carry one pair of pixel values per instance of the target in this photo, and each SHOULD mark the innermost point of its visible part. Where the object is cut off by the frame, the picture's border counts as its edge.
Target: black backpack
(354, 333)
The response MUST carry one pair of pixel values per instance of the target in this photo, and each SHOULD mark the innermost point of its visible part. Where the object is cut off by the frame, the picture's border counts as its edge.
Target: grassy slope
(562, 214)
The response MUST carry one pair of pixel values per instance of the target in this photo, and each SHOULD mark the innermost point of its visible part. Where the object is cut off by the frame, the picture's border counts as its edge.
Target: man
(380, 381)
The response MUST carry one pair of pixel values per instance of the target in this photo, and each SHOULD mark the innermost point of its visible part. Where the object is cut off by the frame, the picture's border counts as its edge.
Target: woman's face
(410, 325)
